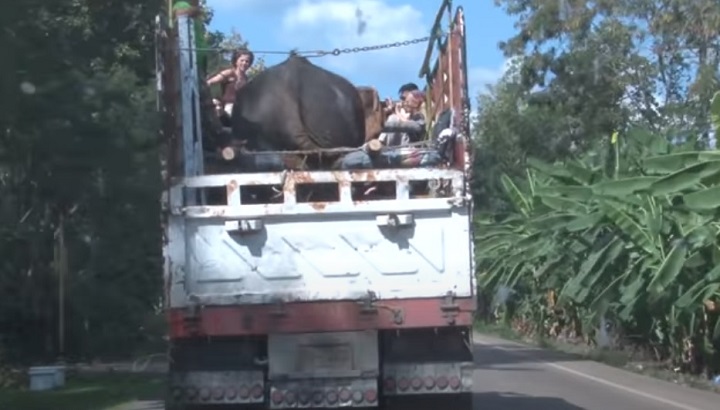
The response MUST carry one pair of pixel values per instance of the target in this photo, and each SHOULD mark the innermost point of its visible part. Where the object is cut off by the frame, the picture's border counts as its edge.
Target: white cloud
(328, 24)
(247, 5)
(481, 77)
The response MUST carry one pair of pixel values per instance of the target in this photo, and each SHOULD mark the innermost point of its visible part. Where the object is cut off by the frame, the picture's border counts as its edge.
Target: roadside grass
(87, 392)
(617, 358)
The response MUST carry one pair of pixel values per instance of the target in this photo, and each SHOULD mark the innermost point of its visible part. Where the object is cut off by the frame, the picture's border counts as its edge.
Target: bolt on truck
(296, 304)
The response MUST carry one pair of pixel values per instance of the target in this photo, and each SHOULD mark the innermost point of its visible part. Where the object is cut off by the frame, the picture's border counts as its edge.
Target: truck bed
(291, 248)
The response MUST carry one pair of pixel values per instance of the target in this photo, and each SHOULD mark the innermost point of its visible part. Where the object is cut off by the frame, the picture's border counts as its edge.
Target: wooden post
(61, 268)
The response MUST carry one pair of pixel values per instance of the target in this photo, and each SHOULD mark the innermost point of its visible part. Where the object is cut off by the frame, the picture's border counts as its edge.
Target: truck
(340, 303)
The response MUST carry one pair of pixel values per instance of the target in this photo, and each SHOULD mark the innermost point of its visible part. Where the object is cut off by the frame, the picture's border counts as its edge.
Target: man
(407, 123)
(403, 92)
(407, 89)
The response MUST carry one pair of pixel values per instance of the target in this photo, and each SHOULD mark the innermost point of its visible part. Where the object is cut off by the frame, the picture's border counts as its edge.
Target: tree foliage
(76, 180)
(596, 178)
(637, 246)
(78, 73)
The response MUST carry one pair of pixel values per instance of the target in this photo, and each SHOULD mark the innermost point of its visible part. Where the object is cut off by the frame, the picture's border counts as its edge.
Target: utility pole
(61, 267)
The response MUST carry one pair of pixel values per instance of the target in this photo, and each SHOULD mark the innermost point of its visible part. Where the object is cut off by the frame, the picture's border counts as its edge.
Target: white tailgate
(322, 256)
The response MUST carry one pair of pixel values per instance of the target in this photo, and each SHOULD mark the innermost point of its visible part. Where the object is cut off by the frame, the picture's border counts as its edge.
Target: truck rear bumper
(332, 393)
(427, 378)
(250, 387)
(217, 387)
(324, 369)
(309, 317)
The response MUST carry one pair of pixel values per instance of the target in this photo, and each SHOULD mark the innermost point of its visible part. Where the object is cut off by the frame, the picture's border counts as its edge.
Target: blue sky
(281, 25)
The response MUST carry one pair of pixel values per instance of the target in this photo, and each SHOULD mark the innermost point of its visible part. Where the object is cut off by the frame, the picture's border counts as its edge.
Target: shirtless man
(231, 79)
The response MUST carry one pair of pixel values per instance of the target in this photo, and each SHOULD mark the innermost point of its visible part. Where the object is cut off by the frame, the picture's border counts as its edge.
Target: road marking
(587, 376)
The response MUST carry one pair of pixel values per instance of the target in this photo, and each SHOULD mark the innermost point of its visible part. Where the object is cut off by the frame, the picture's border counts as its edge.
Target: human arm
(404, 122)
(388, 106)
(219, 77)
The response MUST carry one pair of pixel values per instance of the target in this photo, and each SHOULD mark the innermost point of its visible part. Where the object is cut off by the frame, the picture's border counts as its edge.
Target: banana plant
(639, 244)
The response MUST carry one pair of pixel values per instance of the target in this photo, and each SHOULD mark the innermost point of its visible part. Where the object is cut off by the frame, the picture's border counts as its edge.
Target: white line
(593, 378)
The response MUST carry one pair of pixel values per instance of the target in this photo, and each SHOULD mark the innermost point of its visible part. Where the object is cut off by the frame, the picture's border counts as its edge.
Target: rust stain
(318, 206)
(339, 177)
(344, 185)
(232, 186)
(302, 177)
(363, 176)
(214, 211)
(289, 188)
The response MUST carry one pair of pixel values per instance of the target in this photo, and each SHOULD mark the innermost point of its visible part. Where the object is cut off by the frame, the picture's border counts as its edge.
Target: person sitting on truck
(407, 123)
(231, 79)
(403, 92)
(406, 89)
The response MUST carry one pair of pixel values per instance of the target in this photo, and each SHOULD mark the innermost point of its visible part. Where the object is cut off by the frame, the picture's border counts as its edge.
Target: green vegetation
(79, 187)
(597, 181)
(94, 392)
(638, 247)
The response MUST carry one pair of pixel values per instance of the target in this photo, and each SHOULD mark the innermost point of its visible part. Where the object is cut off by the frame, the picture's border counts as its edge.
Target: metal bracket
(394, 220)
(398, 316)
(191, 318)
(370, 307)
(244, 226)
(367, 304)
(279, 309)
(449, 308)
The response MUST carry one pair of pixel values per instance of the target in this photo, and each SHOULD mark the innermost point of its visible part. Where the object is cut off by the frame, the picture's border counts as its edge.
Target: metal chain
(338, 51)
(322, 53)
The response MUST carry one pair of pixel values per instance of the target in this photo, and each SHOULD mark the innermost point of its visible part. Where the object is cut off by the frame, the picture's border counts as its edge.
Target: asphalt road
(513, 376)
(518, 377)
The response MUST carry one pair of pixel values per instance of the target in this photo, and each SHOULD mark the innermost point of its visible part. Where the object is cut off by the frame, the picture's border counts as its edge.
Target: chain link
(322, 53)
(349, 50)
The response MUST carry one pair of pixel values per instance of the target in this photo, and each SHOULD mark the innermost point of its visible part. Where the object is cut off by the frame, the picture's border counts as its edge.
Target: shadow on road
(514, 401)
(480, 401)
(490, 355)
(142, 405)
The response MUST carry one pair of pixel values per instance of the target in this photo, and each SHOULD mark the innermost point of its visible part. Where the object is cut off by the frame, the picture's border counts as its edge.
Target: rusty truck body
(295, 304)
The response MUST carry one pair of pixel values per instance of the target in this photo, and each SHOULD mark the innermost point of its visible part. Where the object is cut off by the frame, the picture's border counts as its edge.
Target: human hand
(388, 106)
(401, 113)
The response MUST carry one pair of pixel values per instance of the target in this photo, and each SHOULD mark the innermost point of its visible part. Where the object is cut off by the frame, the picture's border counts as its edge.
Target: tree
(649, 62)
(77, 74)
(637, 248)
(594, 179)
(76, 180)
